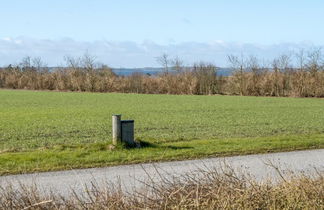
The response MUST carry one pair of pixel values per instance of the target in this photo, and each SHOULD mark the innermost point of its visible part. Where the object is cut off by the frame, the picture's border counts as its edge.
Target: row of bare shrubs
(210, 190)
(202, 80)
(280, 78)
(248, 77)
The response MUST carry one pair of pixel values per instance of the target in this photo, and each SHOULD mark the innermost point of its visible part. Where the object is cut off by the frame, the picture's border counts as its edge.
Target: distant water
(127, 72)
(155, 71)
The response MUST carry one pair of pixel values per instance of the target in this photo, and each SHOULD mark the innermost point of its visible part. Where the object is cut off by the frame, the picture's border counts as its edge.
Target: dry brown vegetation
(281, 78)
(209, 190)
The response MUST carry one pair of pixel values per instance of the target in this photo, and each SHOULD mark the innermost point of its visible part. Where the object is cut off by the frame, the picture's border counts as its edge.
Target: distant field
(34, 122)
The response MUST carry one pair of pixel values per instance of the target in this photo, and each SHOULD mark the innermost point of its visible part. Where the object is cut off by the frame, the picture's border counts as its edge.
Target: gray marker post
(116, 129)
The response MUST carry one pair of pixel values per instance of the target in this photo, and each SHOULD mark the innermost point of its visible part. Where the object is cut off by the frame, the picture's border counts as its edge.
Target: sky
(133, 33)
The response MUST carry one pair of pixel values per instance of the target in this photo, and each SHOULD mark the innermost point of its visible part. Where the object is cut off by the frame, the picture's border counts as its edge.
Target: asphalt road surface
(131, 177)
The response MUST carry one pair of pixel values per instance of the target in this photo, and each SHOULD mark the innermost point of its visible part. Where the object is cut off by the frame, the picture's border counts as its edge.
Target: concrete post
(116, 129)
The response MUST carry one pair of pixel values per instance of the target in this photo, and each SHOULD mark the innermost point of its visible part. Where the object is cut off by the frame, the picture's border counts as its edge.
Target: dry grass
(207, 190)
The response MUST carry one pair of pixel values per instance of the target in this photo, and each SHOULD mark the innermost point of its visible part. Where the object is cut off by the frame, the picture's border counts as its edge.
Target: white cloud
(131, 54)
(8, 39)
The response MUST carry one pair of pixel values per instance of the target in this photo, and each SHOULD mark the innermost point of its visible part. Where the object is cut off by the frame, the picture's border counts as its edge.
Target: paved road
(131, 176)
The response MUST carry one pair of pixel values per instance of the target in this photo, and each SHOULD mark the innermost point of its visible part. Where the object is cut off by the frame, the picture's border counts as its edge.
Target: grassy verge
(74, 156)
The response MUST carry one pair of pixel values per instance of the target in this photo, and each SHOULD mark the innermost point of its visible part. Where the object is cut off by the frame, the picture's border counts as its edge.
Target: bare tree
(301, 73)
(26, 64)
(238, 66)
(206, 75)
(164, 61)
(177, 64)
(88, 61)
(314, 60)
(285, 68)
(314, 66)
(301, 58)
(72, 62)
(275, 80)
(39, 65)
(284, 62)
(254, 67)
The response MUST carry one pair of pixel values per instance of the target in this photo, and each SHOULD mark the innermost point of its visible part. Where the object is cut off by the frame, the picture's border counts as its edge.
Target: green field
(56, 130)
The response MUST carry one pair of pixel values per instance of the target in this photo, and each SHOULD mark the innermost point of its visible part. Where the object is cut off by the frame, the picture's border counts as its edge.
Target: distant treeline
(298, 75)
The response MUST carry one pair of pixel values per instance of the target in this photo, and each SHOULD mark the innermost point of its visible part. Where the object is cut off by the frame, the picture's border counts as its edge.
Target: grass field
(42, 131)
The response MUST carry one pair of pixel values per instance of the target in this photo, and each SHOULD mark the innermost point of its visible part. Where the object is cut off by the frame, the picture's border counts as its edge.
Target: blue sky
(132, 33)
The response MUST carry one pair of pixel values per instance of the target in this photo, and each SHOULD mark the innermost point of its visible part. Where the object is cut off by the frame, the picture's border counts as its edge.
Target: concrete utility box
(122, 131)
(127, 130)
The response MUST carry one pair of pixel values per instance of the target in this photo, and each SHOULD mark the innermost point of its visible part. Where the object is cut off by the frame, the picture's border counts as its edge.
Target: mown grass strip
(62, 157)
